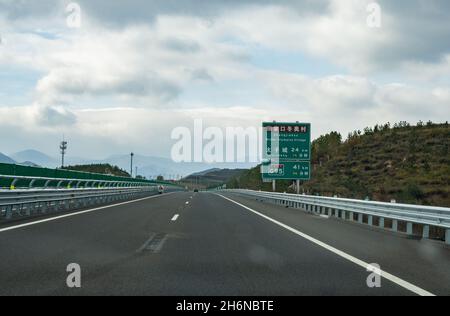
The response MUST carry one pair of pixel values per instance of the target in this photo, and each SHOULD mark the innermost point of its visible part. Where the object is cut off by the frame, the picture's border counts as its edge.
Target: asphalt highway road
(186, 243)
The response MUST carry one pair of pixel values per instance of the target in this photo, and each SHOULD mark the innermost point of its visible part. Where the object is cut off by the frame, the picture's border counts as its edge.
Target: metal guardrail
(22, 203)
(69, 182)
(14, 176)
(347, 209)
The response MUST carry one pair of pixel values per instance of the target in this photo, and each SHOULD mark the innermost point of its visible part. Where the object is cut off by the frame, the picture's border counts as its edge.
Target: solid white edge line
(411, 287)
(175, 217)
(78, 213)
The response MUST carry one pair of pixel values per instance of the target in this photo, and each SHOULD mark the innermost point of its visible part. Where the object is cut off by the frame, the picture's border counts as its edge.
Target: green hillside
(210, 178)
(100, 168)
(410, 164)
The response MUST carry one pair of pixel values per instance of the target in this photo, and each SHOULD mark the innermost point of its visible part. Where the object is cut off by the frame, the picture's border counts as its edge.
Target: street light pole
(131, 167)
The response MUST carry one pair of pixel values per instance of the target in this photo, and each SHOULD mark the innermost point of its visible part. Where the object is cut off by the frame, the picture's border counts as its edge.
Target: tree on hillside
(408, 163)
(325, 146)
(99, 168)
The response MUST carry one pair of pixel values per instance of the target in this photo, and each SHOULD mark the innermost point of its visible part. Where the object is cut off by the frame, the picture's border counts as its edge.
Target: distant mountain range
(211, 178)
(5, 159)
(204, 172)
(35, 157)
(148, 166)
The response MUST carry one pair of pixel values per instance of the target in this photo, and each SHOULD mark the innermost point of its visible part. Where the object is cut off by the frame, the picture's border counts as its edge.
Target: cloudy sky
(136, 69)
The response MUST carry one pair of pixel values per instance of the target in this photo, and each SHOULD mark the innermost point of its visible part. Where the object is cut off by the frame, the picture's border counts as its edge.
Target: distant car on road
(161, 189)
(195, 190)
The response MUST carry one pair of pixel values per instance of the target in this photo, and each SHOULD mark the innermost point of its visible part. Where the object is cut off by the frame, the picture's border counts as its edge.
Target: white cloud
(348, 102)
(36, 115)
(141, 71)
(333, 93)
(428, 71)
(150, 64)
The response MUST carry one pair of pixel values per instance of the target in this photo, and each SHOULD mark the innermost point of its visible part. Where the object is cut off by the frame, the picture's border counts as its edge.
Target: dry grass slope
(410, 164)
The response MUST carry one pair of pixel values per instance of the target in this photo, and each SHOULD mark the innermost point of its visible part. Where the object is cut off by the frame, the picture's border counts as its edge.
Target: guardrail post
(13, 184)
(394, 225)
(381, 222)
(426, 232)
(31, 183)
(350, 216)
(360, 218)
(370, 220)
(8, 212)
(336, 213)
(343, 215)
(447, 236)
(409, 228)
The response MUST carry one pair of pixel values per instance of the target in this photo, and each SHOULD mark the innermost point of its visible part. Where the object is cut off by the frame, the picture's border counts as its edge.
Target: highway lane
(184, 244)
(424, 262)
(53, 215)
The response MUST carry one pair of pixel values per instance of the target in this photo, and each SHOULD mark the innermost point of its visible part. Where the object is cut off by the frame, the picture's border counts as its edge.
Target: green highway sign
(288, 171)
(294, 140)
(286, 151)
